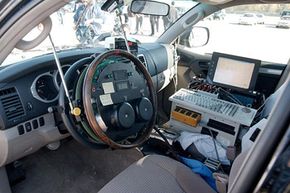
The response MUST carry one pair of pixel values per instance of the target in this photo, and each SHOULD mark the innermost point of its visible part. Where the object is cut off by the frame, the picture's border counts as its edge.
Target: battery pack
(186, 116)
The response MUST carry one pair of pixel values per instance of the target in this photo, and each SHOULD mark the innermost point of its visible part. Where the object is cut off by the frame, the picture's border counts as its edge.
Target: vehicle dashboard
(29, 95)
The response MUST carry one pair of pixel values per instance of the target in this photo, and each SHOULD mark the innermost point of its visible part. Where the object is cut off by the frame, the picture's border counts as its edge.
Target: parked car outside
(248, 19)
(284, 21)
(260, 18)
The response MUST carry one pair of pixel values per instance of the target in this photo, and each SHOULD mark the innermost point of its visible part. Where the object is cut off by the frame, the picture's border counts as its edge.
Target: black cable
(216, 151)
(231, 96)
(174, 154)
(258, 115)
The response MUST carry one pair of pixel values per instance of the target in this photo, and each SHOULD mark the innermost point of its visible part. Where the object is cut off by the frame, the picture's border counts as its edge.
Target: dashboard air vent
(11, 103)
(141, 57)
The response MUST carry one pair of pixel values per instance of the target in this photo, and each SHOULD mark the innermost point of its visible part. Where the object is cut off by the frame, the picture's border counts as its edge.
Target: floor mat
(73, 169)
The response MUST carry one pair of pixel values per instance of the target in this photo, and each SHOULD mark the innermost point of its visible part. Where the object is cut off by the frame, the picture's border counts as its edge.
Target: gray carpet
(73, 169)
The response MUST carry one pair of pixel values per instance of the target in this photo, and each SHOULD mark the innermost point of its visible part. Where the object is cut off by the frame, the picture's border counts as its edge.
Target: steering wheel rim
(67, 117)
(98, 125)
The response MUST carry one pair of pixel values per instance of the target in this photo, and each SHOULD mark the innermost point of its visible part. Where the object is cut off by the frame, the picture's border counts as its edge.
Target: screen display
(235, 73)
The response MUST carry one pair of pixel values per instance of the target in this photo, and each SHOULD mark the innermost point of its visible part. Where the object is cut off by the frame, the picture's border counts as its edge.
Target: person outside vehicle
(171, 17)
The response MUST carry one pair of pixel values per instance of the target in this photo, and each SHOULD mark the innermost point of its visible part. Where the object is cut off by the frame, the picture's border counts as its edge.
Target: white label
(108, 87)
(106, 99)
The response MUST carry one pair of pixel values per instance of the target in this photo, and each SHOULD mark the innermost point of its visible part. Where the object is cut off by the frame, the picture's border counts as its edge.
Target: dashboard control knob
(50, 110)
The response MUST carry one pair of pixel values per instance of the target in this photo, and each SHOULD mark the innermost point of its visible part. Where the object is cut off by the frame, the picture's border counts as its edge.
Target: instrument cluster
(45, 87)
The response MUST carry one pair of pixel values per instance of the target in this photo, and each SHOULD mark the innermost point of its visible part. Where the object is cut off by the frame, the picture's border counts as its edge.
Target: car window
(238, 31)
(82, 23)
(285, 13)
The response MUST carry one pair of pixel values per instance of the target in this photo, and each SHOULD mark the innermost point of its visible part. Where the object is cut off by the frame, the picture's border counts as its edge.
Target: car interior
(134, 117)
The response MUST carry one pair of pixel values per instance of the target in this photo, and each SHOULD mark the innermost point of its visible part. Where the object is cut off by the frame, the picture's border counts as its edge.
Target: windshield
(82, 24)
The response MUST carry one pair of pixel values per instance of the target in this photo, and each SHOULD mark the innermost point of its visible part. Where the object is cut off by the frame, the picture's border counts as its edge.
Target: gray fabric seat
(160, 174)
(157, 174)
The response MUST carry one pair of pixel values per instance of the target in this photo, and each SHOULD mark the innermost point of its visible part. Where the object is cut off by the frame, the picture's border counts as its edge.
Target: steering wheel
(117, 99)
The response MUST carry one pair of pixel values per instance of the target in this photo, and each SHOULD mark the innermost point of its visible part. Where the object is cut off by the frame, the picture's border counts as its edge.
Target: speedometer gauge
(43, 88)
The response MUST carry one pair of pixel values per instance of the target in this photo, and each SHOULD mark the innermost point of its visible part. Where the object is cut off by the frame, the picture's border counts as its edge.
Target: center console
(198, 111)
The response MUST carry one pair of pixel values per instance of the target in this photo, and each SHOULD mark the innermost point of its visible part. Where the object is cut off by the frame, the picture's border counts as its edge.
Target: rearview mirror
(195, 37)
(149, 7)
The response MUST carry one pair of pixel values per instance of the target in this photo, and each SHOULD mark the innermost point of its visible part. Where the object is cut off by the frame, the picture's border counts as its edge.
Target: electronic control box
(202, 112)
(120, 43)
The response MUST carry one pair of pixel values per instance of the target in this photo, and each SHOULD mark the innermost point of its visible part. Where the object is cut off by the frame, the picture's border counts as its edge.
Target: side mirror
(195, 37)
(148, 7)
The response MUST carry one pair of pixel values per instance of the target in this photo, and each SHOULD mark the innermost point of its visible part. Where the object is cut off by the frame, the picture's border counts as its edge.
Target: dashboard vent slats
(11, 103)
(142, 59)
(7, 91)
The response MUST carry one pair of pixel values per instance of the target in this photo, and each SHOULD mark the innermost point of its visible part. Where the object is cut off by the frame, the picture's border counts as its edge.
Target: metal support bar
(61, 74)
